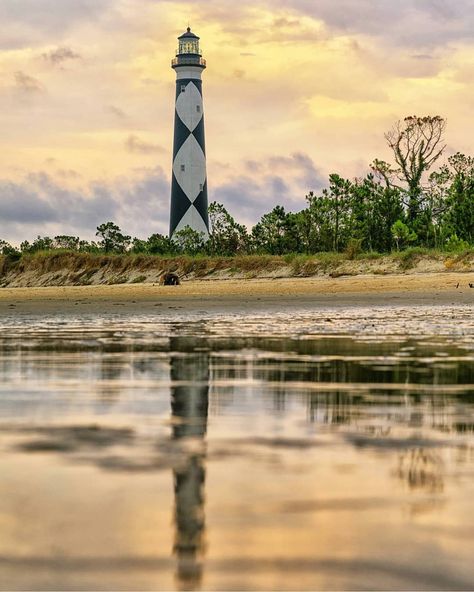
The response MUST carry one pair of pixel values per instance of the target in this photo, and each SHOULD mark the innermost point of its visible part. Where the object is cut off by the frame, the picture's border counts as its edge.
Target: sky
(294, 90)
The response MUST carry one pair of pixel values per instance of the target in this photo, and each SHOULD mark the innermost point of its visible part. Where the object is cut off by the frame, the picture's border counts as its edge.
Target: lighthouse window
(187, 46)
(201, 187)
(198, 108)
(183, 87)
(183, 168)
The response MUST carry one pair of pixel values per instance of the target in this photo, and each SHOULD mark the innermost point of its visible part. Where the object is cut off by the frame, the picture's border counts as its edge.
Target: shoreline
(240, 296)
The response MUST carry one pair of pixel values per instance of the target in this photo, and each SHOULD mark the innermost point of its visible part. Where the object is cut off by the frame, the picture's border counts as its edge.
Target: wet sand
(315, 434)
(243, 295)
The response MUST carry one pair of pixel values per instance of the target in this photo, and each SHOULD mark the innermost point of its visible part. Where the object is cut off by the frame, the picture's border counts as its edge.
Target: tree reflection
(189, 403)
(421, 469)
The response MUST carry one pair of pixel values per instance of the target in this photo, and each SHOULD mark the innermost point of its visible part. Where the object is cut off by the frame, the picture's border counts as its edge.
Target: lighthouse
(189, 179)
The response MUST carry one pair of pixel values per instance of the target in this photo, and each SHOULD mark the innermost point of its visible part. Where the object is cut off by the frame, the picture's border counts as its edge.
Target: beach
(291, 433)
(243, 295)
(310, 434)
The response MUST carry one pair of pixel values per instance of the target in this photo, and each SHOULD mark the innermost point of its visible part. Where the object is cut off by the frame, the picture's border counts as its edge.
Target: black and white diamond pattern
(189, 186)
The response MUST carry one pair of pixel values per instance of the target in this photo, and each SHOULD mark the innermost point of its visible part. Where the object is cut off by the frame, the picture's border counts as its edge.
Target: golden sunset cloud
(90, 92)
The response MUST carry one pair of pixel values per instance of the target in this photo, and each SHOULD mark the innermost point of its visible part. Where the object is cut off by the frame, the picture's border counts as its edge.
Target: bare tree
(417, 143)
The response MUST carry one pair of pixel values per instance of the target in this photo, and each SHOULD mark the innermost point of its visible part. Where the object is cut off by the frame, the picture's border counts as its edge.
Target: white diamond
(194, 174)
(194, 220)
(189, 106)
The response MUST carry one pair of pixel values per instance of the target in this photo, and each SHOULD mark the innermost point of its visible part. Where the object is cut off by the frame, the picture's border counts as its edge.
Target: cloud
(415, 23)
(58, 56)
(68, 174)
(117, 112)
(20, 203)
(304, 82)
(301, 166)
(27, 84)
(284, 21)
(278, 180)
(406, 22)
(422, 56)
(43, 204)
(138, 146)
(34, 22)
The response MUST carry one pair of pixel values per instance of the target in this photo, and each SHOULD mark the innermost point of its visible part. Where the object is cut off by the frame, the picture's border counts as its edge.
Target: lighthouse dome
(188, 35)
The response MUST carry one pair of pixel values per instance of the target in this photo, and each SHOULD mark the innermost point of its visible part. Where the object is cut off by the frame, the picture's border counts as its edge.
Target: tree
(41, 243)
(113, 241)
(318, 225)
(270, 234)
(189, 241)
(139, 246)
(8, 250)
(453, 191)
(417, 143)
(226, 237)
(402, 234)
(375, 208)
(88, 247)
(339, 193)
(70, 243)
(158, 244)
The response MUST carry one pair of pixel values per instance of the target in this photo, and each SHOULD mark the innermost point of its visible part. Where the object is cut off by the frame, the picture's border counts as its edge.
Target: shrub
(455, 244)
(353, 248)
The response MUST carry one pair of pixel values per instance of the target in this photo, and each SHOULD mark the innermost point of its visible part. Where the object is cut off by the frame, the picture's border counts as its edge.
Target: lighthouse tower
(189, 182)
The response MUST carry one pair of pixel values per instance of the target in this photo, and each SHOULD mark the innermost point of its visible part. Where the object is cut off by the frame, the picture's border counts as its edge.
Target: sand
(242, 295)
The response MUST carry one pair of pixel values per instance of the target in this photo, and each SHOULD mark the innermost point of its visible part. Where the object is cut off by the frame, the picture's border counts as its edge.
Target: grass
(72, 268)
(411, 256)
(307, 265)
(369, 256)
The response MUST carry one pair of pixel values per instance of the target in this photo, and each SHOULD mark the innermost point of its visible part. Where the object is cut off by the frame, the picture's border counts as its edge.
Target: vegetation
(62, 268)
(395, 207)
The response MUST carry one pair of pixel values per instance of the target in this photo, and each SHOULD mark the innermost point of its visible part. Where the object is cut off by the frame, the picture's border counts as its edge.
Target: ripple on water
(323, 450)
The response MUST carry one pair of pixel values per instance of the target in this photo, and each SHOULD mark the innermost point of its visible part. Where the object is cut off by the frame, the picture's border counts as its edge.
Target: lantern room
(188, 43)
(188, 52)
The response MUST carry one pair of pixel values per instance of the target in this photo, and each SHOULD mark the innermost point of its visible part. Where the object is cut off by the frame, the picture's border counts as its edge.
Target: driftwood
(170, 279)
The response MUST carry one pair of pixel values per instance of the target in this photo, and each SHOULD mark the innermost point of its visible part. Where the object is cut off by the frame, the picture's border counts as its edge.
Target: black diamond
(200, 203)
(181, 134)
(184, 82)
(180, 204)
(198, 133)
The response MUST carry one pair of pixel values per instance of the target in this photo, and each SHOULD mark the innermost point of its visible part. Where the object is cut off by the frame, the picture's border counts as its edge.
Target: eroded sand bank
(243, 295)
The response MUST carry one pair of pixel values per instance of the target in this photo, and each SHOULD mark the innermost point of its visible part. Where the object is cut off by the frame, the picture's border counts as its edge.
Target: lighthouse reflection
(189, 404)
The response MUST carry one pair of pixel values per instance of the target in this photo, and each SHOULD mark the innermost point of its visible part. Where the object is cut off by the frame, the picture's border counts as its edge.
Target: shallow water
(326, 450)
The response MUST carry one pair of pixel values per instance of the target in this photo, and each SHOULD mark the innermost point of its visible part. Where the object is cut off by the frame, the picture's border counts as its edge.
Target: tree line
(396, 205)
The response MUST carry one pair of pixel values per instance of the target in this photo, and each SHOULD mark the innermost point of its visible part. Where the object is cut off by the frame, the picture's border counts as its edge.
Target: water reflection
(298, 461)
(422, 469)
(189, 404)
